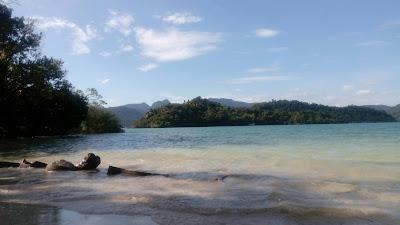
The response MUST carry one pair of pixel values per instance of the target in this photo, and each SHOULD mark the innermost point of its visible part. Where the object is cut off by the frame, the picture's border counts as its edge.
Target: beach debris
(60, 165)
(90, 162)
(8, 164)
(35, 164)
(112, 170)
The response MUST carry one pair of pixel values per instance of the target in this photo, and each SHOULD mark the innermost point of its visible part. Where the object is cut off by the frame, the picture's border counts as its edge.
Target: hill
(128, 114)
(395, 112)
(392, 110)
(161, 103)
(203, 112)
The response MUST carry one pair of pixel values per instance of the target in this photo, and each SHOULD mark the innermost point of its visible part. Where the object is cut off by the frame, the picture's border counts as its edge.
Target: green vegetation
(391, 110)
(395, 112)
(202, 112)
(35, 97)
(99, 119)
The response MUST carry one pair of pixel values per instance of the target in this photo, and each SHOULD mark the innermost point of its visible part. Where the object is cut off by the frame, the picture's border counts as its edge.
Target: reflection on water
(24, 214)
(314, 174)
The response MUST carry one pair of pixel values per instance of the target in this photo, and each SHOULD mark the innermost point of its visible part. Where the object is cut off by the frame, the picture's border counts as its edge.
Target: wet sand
(32, 196)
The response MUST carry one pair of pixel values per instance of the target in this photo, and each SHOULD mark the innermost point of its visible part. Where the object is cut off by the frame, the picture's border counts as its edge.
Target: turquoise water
(333, 174)
(339, 138)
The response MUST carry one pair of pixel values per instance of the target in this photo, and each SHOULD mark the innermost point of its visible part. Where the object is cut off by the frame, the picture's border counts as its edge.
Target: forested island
(200, 112)
(35, 97)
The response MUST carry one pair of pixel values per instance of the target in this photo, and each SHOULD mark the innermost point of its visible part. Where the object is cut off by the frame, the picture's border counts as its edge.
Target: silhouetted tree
(35, 97)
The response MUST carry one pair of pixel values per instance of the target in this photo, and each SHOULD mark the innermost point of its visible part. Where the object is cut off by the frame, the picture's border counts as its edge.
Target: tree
(98, 119)
(35, 97)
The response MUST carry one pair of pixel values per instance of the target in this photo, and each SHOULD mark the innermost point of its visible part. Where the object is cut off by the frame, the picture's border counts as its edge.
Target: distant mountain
(231, 103)
(161, 103)
(392, 110)
(395, 112)
(128, 114)
(142, 107)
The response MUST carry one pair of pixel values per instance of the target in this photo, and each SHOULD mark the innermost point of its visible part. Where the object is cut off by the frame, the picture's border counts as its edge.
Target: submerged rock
(112, 170)
(90, 162)
(61, 165)
(8, 164)
(35, 164)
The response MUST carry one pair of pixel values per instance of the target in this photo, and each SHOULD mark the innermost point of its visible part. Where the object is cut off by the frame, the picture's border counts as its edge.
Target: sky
(336, 52)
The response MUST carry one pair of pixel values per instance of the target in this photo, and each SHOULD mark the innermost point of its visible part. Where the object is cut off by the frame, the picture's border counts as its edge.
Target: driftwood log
(9, 164)
(35, 164)
(112, 170)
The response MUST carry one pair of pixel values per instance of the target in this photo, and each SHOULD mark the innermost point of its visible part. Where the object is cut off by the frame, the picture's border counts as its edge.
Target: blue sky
(331, 52)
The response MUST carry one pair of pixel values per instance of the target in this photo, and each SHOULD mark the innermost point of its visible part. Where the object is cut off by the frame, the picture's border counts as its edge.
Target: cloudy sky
(332, 52)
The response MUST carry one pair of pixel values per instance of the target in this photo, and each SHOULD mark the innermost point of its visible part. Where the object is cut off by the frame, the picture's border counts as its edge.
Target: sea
(283, 174)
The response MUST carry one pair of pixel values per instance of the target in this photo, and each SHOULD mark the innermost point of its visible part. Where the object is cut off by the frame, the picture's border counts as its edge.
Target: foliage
(99, 120)
(35, 97)
(202, 112)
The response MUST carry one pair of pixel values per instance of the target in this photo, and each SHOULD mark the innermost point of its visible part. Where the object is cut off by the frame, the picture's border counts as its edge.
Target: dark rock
(221, 178)
(112, 170)
(36, 164)
(60, 165)
(90, 162)
(8, 164)
(25, 164)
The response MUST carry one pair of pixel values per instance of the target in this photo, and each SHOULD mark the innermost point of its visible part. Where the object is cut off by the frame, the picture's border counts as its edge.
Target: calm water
(309, 174)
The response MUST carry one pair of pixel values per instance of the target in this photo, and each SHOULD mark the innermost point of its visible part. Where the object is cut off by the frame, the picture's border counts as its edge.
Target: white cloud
(274, 67)
(105, 81)
(367, 44)
(181, 18)
(363, 92)
(122, 22)
(126, 48)
(105, 54)
(266, 32)
(262, 70)
(278, 49)
(390, 24)
(347, 87)
(147, 67)
(252, 79)
(81, 36)
(174, 44)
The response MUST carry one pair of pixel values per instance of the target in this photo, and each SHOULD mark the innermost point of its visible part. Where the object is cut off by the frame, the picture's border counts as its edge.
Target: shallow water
(309, 174)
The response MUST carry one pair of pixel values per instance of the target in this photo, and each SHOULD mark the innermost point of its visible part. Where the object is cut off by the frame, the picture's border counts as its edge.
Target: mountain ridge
(128, 114)
(200, 112)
